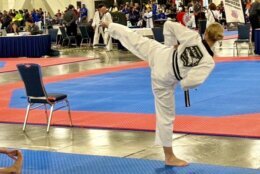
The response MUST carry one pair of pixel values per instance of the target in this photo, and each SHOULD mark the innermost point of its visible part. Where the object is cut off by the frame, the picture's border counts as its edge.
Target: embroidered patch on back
(191, 56)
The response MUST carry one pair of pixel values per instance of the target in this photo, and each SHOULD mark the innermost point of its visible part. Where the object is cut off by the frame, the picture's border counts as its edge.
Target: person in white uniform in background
(97, 28)
(191, 22)
(190, 64)
(148, 17)
(106, 17)
(212, 14)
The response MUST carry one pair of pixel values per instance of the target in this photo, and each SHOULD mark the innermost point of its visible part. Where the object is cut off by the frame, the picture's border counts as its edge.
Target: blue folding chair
(65, 37)
(37, 95)
(243, 37)
(84, 35)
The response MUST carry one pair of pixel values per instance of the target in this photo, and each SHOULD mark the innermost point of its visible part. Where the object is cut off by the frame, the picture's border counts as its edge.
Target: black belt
(175, 65)
(187, 98)
(178, 77)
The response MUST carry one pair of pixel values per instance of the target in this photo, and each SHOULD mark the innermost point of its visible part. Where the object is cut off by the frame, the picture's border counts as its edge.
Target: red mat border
(237, 125)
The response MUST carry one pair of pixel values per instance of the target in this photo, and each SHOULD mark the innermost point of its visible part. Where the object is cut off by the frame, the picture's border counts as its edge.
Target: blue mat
(230, 33)
(233, 88)
(43, 162)
(2, 64)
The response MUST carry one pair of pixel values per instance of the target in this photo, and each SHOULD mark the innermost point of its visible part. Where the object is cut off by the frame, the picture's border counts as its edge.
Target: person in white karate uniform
(97, 28)
(106, 17)
(212, 14)
(148, 17)
(190, 63)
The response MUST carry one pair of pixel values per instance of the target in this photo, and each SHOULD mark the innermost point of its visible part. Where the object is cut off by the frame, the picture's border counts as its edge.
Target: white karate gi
(98, 29)
(107, 39)
(192, 64)
(211, 15)
(148, 17)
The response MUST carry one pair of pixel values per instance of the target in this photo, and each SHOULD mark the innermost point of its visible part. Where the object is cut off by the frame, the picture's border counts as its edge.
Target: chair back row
(84, 32)
(63, 32)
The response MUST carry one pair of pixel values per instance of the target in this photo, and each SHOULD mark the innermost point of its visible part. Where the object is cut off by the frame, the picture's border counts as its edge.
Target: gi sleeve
(94, 20)
(108, 17)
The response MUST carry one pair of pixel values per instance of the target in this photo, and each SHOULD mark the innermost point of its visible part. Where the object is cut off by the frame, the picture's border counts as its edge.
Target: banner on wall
(234, 11)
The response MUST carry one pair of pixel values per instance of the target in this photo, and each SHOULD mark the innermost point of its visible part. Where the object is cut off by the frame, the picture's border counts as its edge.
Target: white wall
(6, 4)
(48, 5)
(217, 2)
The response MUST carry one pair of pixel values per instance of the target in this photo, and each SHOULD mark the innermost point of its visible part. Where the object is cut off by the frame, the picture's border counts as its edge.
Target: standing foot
(173, 161)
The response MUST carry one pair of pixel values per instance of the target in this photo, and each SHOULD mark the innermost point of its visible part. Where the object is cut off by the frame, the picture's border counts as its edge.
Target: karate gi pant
(108, 41)
(106, 37)
(98, 32)
(159, 57)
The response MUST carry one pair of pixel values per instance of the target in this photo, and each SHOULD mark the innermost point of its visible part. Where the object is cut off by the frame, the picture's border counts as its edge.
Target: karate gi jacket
(191, 63)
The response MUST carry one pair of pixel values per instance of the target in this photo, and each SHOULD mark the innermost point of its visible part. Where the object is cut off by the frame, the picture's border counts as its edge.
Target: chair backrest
(32, 78)
(63, 32)
(158, 34)
(243, 31)
(53, 33)
(83, 31)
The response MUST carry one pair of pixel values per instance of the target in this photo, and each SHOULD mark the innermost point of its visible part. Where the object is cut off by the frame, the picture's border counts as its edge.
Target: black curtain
(162, 1)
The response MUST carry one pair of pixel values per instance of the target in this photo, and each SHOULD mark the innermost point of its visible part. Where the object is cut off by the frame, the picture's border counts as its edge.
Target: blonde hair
(215, 32)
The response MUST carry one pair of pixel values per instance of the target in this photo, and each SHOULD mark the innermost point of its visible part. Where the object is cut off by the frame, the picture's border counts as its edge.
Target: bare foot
(173, 161)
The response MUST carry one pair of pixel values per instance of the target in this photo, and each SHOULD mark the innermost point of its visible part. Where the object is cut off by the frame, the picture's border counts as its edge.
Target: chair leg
(26, 116)
(89, 42)
(46, 113)
(250, 49)
(76, 42)
(57, 41)
(68, 106)
(234, 49)
(237, 50)
(50, 117)
(81, 42)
